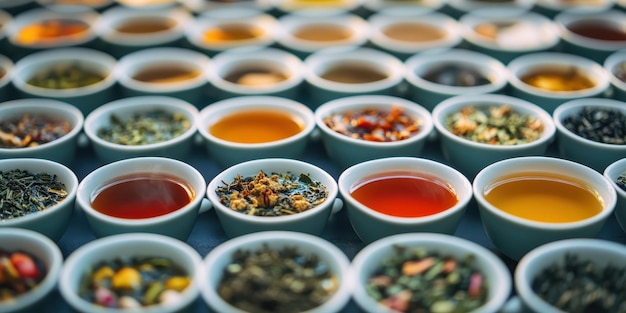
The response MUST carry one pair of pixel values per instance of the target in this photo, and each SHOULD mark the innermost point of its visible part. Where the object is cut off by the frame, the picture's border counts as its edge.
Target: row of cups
(537, 245)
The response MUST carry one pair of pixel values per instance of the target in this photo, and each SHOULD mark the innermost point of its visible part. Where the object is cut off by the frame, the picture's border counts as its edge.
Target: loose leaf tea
(497, 125)
(66, 75)
(134, 282)
(418, 280)
(620, 71)
(579, 286)
(23, 192)
(144, 128)
(374, 124)
(31, 130)
(276, 281)
(20, 272)
(621, 181)
(598, 124)
(274, 195)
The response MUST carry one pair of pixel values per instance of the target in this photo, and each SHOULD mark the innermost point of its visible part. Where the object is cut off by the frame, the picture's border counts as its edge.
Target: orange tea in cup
(257, 126)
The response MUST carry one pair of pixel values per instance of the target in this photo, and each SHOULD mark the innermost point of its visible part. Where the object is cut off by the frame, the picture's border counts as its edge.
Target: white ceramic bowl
(429, 94)
(52, 221)
(515, 236)
(547, 99)
(6, 69)
(227, 153)
(311, 221)
(210, 273)
(260, 60)
(572, 146)
(469, 156)
(63, 149)
(125, 109)
(370, 258)
(86, 98)
(193, 89)
(306, 32)
(366, 59)
(412, 41)
(83, 259)
(529, 32)
(43, 249)
(616, 61)
(346, 151)
(177, 224)
(613, 172)
(599, 252)
(371, 225)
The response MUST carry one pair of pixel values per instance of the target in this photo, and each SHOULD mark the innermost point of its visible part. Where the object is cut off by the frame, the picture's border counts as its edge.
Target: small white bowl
(515, 236)
(594, 48)
(258, 27)
(528, 32)
(366, 60)
(53, 221)
(47, 252)
(612, 172)
(601, 253)
(614, 63)
(597, 155)
(306, 32)
(210, 273)
(85, 98)
(193, 89)
(469, 156)
(63, 149)
(548, 99)
(411, 35)
(429, 94)
(227, 153)
(371, 225)
(6, 71)
(177, 224)
(124, 109)
(367, 262)
(312, 221)
(82, 260)
(160, 28)
(346, 151)
(256, 61)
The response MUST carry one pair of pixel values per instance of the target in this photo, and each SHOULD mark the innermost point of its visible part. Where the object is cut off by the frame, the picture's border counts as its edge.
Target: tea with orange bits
(49, 31)
(257, 126)
(544, 197)
(405, 194)
(140, 196)
(232, 32)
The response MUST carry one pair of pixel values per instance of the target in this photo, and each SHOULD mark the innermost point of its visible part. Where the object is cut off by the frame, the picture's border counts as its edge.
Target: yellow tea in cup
(544, 197)
(257, 126)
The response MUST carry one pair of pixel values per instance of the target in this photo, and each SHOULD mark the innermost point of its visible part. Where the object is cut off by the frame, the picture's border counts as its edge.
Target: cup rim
(140, 104)
(47, 107)
(84, 195)
(260, 164)
(613, 60)
(454, 104)
(395, 164)
(73, 261)
(548, 164)
(497, 268)
(345, 104)
(309, 242)
(613, 171)
(227, 107)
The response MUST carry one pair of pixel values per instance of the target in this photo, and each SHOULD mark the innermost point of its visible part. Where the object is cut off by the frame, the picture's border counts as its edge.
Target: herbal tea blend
(577, 285)
(133, 283)
(31, 130)
(274, 195)
(276, 281)
(497, 125)
(418, 280)
(20, 272)
(66, 76)
(598, 124)
(144, 128)
(23, 192)
(375, 125)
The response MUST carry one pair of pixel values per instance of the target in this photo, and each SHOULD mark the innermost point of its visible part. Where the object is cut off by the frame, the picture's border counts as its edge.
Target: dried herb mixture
(375, 125)
(20, 272)
(31, 130)
(23, 192)
(275, 195)
(144, 128)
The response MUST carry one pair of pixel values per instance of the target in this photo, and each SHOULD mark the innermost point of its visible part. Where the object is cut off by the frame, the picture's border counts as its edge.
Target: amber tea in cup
(166, 73)
(256, 76)
(353, 73)
(558, 78)
(51, 30)
(598, 29)
(230, 32)
(323, 32)
(257, 126)
(145, 25)
(414, 32)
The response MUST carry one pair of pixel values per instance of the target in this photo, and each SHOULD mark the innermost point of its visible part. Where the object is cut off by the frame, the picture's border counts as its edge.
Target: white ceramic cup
(612, 173)
(611, 64)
